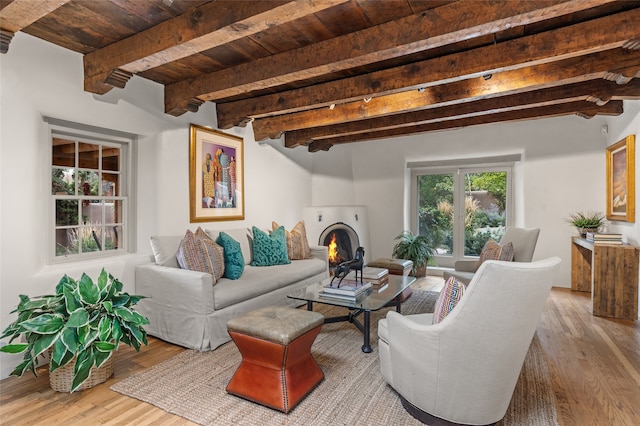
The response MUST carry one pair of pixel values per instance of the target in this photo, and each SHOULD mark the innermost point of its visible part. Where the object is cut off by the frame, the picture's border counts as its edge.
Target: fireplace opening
(342, 242)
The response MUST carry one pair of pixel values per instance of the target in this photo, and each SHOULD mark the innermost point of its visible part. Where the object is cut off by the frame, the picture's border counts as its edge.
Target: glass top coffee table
(370, 300)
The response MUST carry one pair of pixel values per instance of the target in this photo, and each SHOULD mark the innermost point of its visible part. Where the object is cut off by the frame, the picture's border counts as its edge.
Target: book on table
(380, 282)
(375, 273)
(334, 296)
(370, 274)
(380, 288)
(604, 239)
(347, 287)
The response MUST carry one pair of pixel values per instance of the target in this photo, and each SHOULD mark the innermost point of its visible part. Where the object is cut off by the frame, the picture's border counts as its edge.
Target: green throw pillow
(269, 249)
(233, 259)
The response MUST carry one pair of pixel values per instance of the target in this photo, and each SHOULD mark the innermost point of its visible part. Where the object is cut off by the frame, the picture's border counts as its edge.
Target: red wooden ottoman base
(277, 376)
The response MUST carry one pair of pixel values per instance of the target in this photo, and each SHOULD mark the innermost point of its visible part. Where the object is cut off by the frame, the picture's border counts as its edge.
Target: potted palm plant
(416, 248)
(80, 327)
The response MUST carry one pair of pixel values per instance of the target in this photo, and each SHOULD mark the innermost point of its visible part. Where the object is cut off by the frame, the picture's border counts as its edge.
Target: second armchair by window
(524, 244)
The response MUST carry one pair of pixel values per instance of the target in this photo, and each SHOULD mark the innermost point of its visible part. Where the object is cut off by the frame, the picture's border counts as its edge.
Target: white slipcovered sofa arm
(179, 289)
(320, 252)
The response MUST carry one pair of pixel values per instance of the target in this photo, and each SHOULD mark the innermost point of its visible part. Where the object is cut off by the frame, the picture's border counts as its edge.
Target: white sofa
(185, 307)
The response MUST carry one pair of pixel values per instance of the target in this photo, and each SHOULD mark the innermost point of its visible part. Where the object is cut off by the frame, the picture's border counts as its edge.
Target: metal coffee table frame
(371, 300)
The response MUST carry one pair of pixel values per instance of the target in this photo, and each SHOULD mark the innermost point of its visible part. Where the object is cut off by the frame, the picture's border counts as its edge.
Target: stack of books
(604, 238)
(373, 275)
(378, 277)
(349, 289)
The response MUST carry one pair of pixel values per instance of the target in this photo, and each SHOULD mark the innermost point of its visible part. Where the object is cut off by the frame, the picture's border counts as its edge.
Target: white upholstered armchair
(465, 368)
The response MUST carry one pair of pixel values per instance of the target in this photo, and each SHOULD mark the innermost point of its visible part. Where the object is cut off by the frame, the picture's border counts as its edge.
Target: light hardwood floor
(594, 365)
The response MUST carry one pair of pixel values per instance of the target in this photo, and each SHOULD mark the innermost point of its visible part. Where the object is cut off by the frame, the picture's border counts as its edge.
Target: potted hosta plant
(80, 327)
(587, 222)
(416, 248)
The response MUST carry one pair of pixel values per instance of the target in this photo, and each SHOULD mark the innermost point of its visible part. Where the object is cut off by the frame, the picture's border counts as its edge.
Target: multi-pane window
(89, 192)
(459, 207)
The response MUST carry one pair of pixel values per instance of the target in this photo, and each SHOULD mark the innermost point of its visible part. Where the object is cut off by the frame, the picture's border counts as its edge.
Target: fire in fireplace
(342, 241)
(353, 221)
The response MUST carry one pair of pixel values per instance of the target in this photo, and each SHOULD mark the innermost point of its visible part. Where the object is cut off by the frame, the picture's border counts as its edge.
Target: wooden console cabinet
(610, 273)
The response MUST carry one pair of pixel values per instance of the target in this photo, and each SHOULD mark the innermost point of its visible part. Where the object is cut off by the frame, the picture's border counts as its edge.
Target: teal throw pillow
(270, 249)
(233, 259)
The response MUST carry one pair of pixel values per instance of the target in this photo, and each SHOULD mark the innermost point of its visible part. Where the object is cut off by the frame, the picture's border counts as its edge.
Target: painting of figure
(216, 175)
(218, 183)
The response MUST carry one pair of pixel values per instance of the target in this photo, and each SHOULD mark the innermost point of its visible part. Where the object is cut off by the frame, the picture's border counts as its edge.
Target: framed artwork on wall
(216, 175)
(621, 180)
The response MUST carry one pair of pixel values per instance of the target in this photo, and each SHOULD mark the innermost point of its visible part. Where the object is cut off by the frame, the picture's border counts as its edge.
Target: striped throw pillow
(449, 296)
(198, 252)
(494, 251)
(297, 243)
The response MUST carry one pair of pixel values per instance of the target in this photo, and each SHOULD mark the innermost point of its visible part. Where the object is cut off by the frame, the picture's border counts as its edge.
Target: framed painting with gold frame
(216, 175)
(621, 180)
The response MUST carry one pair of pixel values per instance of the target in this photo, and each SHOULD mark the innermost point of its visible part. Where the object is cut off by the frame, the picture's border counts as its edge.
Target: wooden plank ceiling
(327, 72)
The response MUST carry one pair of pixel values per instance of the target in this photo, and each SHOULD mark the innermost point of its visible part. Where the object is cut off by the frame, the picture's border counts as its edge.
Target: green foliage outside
(435, 211)
(67, 212)
(86, 238)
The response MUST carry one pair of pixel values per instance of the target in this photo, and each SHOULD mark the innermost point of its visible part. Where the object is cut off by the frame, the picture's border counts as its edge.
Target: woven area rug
(192, 384)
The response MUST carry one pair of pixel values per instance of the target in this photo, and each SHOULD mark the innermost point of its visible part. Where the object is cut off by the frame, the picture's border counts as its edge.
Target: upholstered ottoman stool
(396, 267)
(277, 369)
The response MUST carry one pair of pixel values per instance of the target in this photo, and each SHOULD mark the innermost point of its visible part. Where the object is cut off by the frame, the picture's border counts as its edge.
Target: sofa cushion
(269, 249)
(297, 243)
(447, 299)
(198, 252)
(494, 251)
(233, 258)
(257, 281)
(164, 250)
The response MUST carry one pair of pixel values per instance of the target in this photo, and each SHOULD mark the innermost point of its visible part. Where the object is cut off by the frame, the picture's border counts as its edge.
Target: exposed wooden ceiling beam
(430, 29)
(202, 28)
(20, 14)
(597, 65)
(582, 108)
(526, 51)
(599, 92)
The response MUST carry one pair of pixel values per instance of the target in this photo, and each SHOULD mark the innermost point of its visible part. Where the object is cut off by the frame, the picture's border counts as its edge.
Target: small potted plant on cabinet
(80, 327)
(416, 248)
(587, 222)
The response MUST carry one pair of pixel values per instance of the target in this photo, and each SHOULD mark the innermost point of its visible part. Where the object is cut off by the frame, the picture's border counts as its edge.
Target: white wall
(40, 79)
(332, 180)
(562, 171)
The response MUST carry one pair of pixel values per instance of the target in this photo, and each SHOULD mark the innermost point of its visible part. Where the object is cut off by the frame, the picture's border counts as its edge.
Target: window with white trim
(459, 205)
(90, 191)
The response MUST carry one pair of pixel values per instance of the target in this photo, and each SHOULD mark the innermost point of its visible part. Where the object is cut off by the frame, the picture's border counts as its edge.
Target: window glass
(64, 152)
(87, 189)
(458, 209)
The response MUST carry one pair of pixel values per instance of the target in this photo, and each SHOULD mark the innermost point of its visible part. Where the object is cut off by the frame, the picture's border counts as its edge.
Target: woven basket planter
(62, 378)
